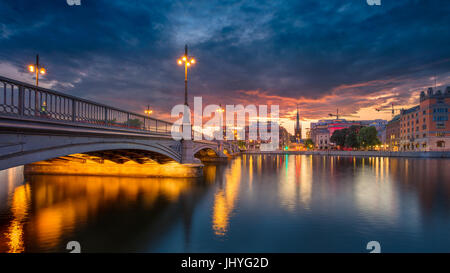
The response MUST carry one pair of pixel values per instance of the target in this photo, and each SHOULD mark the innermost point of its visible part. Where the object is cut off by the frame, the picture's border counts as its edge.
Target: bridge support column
(187, 153)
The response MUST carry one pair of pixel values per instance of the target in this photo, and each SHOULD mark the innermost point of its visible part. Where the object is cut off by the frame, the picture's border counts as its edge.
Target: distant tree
(309, 143)
(367, 137)
(135, 123)
(339, 136)
(351, 139)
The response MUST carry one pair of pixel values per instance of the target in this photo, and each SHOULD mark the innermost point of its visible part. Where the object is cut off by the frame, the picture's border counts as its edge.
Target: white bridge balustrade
(39, 124)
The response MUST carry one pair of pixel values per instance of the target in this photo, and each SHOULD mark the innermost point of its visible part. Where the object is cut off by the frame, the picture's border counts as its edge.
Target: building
(308, 133)
(392, 141)
(322, 130)
(253, 141)
(322, 139)
(379, 124)
(425, 127)
(284, 138)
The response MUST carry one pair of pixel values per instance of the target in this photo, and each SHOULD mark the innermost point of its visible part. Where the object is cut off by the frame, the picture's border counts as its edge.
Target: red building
(425, 127)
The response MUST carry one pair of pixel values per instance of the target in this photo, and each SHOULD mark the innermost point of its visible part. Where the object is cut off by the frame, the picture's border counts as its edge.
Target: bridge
(48, 129)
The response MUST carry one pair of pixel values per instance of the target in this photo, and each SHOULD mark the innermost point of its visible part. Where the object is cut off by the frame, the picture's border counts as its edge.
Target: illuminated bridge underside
(116, 156)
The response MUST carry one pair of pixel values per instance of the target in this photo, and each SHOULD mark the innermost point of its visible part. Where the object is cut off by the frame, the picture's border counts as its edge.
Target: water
(250, 204)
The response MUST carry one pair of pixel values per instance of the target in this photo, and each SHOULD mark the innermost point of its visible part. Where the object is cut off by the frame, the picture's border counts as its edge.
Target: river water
(253, 203)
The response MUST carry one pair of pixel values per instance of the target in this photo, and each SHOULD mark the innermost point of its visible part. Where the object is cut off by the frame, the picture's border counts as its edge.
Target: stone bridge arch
(22, 149)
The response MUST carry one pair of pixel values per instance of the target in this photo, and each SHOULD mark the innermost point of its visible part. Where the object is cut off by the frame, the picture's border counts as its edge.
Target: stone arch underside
(119, 152)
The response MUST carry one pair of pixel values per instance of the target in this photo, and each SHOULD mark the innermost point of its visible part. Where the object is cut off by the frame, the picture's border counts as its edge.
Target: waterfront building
(322, 139)
(284, 138)
(392, 141)
(254, 142)
(322, 130)
(308, 133)
(379, 124)
(425, 127)
(381, 134)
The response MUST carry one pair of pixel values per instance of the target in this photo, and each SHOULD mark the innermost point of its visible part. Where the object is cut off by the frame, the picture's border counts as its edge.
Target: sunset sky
(321, 55)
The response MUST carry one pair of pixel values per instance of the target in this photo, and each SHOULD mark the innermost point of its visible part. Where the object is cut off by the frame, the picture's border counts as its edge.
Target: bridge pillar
(187, 153)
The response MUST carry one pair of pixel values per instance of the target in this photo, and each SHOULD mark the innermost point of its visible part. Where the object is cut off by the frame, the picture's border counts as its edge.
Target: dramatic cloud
(321, 55)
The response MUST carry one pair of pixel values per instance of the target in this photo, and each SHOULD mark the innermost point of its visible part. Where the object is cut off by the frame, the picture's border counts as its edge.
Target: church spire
(298, 128)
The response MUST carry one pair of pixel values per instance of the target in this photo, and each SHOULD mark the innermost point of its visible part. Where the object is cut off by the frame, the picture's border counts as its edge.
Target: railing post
(106, 116)
(21, 100)
(156, 125)
(74, 110)
(128, 120)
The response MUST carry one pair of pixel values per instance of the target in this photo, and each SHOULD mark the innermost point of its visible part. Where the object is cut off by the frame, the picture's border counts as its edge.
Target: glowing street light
(188, 61)
(38, 69)
(148, 111)
(220, 109)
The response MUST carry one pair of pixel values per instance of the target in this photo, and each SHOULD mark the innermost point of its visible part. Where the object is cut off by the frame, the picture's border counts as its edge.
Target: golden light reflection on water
(19, 208)
(210, 173)
(295, 188)
(225, 199)
(377, 199)
(63, 203)
(288, 189)
(250, 171)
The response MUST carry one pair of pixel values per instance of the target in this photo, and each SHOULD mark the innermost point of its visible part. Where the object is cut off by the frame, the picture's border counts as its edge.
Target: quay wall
(357, 153)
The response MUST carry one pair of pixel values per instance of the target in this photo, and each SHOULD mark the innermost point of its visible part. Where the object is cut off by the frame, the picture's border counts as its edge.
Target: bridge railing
(28, 101)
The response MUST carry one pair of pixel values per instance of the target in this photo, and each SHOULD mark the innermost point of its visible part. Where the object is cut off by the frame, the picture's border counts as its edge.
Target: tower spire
(298, 128)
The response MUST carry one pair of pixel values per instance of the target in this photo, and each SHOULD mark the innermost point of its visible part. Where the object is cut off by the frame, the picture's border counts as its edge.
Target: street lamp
(220, 109)
(148, 111)
(37, 69)
(187, 61)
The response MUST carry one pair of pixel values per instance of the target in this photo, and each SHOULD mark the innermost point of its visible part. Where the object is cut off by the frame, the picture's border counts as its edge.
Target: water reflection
(62, 206)
(19, 208)
(225, 198)
(250, 204)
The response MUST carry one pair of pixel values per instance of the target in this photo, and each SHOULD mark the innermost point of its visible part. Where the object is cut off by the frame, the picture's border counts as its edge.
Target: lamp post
(148, 111)
(38, 69)
(187, 61)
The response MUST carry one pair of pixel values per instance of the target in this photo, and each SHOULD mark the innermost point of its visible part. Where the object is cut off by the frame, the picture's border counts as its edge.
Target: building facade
(392, 142)
(322, 139)
(425, 127)
(322, 130)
